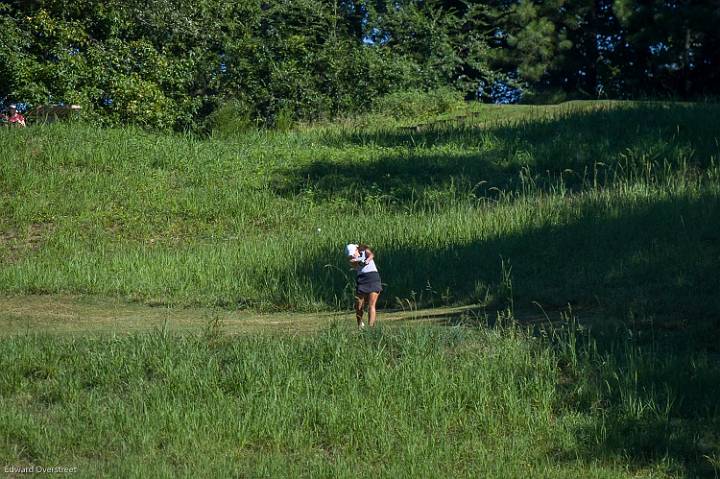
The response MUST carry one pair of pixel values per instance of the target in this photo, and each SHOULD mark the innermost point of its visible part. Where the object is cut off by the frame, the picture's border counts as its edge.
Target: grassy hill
(612, 205)
(606, 210)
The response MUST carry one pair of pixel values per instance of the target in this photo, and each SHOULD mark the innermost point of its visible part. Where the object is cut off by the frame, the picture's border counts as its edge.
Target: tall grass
(608, 204)
(611, 207)
(457, 401)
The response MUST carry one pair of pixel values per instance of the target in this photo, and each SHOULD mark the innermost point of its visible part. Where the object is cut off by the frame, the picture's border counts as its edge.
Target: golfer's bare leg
(359, 306)
(372, 315)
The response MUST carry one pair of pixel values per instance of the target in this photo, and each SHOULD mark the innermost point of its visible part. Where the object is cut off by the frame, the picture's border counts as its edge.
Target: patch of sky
(606, 43)
(376, 37)
(658, 48)
(498, 92)
(21, 107)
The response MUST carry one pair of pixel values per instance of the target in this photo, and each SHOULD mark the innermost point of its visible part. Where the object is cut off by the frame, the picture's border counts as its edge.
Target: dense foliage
(171, 63)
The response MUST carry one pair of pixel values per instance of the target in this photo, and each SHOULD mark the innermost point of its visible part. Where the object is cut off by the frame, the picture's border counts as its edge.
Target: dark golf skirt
(368, 283)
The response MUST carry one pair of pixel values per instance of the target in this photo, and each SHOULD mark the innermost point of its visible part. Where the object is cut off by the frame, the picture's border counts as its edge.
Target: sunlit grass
(609, 208)
(462, 400)
(613, 192)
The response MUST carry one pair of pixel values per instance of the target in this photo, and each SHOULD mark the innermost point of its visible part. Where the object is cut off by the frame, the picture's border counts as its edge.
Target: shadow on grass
(652, 264)
(656, 257)
(643, 398)
(639, 394)
(573, 150)
(611, 129)
(655, 392)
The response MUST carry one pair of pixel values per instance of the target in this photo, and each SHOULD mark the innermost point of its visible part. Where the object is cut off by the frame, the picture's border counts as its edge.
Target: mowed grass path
(88, 315)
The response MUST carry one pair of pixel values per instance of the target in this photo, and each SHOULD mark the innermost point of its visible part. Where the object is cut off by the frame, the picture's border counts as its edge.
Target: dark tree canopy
(171, 63)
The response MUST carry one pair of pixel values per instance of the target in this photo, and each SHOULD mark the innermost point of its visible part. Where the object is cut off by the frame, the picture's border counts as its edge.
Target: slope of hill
(604, 204)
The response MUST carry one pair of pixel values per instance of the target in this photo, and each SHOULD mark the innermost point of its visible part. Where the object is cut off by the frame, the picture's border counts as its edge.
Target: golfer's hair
(364, 247)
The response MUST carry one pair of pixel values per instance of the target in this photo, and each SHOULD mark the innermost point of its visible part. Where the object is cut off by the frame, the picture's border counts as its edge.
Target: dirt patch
(15, 243)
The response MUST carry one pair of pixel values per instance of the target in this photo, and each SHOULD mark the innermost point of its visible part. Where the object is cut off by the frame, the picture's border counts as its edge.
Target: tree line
(175, 63)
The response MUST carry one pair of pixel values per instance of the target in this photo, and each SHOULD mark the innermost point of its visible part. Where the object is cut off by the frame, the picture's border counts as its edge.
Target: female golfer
(368, 286)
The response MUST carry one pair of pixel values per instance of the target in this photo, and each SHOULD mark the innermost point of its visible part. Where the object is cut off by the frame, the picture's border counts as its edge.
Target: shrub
(230, 119)
(416, 103)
